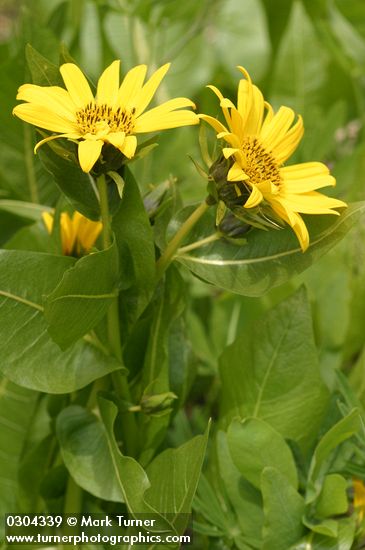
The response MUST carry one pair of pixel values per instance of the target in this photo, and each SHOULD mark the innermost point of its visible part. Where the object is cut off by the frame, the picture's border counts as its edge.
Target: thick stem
(119, 379)
(166, 258)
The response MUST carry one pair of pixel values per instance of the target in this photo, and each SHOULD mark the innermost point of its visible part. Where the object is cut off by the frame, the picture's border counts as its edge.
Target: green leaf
(246, 501)
(174, 476)
(300, 55)
(44, 73)
(272, 372)
(344, 429)
(83, 296)
(132, 479)
(74, 183)
(270, 258)
(16, 409)
(283, 509)
(28, 355)
(27, 210)
(156, 373)
(343, 541)
(332, 500)
(134, 238)
(255, 445)
(86, 453)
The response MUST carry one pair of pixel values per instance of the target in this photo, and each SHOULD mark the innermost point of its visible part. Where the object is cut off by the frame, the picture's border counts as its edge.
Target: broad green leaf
(248, 44)
(134, 238)
(332, 500)
(83, 296)
(344, 429)
(343, 541)
(16, 409)
(271, 372)
(300, 55)
(268, 259)
(255, 445)
(74, 183)
(44, 73)
(352, 43)
(246, 501)
(28, 210)
(132, 478)
(155, 377)
(28, 355)
(174, 476)
(86, 453)
(283, 510)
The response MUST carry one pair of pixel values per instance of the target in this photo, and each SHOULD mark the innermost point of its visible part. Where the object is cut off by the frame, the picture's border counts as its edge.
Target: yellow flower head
(114, 116)
(359, 498)
(259, 143)
(78, 234)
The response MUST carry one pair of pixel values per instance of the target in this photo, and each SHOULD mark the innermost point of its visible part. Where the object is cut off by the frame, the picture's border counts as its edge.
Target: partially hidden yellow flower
(259, 143)
(359, 498)
(78, 233)
(115, 115)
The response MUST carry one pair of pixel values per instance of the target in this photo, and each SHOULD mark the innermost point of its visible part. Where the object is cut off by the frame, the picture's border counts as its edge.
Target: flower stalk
(166, 258)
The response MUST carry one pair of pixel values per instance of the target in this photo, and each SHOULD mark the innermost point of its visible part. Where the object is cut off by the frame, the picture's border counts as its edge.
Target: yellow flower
(78, 234)
(114, 116)
(260, 142)
(359, 498)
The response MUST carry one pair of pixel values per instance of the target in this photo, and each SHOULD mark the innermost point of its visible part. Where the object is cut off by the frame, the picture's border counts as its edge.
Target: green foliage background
(282, 375)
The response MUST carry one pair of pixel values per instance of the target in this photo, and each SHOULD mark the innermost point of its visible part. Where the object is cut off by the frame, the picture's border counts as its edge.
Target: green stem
(119, 379)
(73, 498)
(29, 163)
(166, 258)
(197, 244)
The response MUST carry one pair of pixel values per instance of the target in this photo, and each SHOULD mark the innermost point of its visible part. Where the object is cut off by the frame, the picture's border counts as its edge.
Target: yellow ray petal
(48, 221)
(276, 129)
(237, 124)
(311, 203)
(236, 173)
(154, 120)
(303, 185)
(229, 151)
(89, 152)
(43, 118)
(129, 146)
(166, 107)
(244, 98)
(53, 98)
(116, 139)
(295, 221)
(50, 138)
(214, 123)
(108, 85)
(224, 110)
(230, 138)
(131, 85)
(254, 199)
(145, 96)
(76, 84)
(284, 148)
(304, 170)
(256, 113)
